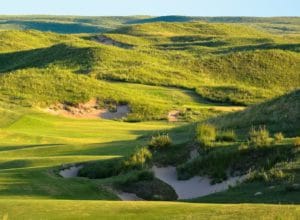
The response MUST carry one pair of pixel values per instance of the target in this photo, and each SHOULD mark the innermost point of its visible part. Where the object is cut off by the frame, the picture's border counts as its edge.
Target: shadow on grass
(42, 57)
(266, 46)
(31, 146)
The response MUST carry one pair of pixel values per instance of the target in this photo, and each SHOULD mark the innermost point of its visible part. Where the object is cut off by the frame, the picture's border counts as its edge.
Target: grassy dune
(278, 115)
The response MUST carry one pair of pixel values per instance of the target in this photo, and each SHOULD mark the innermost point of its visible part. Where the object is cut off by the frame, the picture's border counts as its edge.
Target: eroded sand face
(173, 115)
(89, 110)
(70, 172)
(194, 187)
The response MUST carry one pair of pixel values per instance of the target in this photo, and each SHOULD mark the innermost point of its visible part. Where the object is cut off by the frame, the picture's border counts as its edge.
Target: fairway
(63, 209)
(27, 170)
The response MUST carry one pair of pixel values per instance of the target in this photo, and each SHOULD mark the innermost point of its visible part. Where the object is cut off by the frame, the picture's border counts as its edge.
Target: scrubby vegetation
(159, 142)
(227, 136)
(278, 137)
(145, 186)
(237, 161)
(104, 169)
(259, 137)
(205, 135)
(278, 115)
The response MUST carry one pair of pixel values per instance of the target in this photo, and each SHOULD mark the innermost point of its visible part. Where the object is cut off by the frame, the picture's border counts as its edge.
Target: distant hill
(80, 24)
(228, 63)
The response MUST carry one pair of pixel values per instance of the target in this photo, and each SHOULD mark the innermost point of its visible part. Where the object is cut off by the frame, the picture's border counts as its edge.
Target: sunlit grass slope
(278, 115)
(134, 210)
(223, 62)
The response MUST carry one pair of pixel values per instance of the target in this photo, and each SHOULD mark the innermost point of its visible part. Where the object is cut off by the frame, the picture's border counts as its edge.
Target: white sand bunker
(70, 172)
(89, 110)
(194, 187)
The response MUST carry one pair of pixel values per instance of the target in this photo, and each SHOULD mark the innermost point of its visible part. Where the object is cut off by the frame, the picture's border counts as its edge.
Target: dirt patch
(89, 110)
(108, 41)
(194, 187)
(173, 115)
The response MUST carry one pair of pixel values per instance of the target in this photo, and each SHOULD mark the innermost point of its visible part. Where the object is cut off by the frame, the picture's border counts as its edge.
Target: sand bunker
(70, 172)
(173, 116)
(194, 187)
(89, 110)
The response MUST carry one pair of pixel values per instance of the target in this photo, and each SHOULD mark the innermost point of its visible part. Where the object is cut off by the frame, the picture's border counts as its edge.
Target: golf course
(142, 117)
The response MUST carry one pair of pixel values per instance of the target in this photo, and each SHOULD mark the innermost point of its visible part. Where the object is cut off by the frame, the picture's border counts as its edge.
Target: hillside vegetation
(278, 115)
(216, 60)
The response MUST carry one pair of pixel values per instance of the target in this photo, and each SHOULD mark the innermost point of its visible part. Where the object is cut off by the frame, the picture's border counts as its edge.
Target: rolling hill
(278, 115)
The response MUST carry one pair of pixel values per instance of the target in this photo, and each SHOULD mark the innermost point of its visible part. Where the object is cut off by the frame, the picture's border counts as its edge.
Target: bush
(292, 188)
(101, 169)
(259, 137)
(205, 134)
(214, 165)
(138, 159)
(136, 176)
(160, 141)
(297, 142)
(278, 137)
(133, 118)
(145, 186)
(274, 175)
(227, 135)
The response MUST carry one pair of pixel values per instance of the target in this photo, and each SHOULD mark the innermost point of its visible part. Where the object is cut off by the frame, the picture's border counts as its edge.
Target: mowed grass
(36, 144)
(65, 209)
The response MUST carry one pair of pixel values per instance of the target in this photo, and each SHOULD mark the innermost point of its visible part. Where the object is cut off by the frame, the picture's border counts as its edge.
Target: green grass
(150, 210)
(65, 209)
(278, 115)
(36, 144)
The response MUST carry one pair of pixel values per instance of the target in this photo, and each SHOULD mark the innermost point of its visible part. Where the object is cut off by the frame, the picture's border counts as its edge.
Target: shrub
(145, 186)
(136, 176)
(145, 175)
(292, 187)
(274, 175)
(205, 134)
(278, 137)
(215, 164)
(297, 142)
(138, 159)
(160, 141)
(227, 135)
(259, 137)
(243, 147)
(133, 118)
(101, 169)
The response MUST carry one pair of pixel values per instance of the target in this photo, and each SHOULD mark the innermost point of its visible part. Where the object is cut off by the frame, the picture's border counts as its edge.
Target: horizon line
(169, 15)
